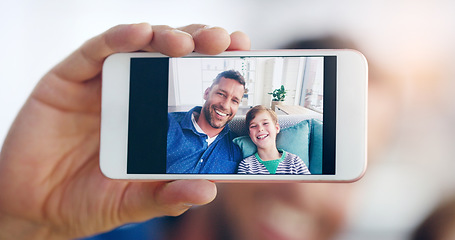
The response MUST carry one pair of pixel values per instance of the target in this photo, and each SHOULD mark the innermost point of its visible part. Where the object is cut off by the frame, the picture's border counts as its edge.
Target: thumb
(152, 199)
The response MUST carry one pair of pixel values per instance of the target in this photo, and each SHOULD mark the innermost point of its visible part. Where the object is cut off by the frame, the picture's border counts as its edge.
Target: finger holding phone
(52, 187)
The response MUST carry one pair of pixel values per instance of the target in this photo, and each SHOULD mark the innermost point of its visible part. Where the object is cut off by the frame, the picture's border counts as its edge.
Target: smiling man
(199, 141)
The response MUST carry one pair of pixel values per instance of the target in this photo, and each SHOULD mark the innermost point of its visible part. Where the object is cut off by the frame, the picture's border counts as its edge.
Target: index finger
(86, 62)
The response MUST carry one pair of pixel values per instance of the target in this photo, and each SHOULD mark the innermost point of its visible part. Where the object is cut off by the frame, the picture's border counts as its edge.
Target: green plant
(279, 94)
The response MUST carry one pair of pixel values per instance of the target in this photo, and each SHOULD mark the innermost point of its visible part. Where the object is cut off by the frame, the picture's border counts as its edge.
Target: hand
(52, 187)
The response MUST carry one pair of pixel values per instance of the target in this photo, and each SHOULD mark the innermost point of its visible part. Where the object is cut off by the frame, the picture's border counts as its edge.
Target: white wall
(187, 82)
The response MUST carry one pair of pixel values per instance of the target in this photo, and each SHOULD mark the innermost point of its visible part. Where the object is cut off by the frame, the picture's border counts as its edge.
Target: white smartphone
(190, 118)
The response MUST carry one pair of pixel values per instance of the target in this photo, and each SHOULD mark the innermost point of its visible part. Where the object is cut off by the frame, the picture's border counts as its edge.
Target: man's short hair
(231, 74)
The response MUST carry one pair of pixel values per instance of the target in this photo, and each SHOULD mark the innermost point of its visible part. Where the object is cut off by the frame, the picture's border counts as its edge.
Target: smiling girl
(263, 128)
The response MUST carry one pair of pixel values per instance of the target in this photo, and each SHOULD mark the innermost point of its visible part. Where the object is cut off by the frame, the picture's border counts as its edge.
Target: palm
(59, 163)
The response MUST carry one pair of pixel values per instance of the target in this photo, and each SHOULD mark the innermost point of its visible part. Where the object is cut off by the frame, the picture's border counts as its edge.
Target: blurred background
(411, 102)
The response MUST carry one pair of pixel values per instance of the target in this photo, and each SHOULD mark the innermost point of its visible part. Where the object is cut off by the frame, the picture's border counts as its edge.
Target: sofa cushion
(316, 147)
(294, 139)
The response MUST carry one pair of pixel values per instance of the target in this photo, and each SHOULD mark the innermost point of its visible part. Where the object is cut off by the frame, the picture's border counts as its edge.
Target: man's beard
(208, 110)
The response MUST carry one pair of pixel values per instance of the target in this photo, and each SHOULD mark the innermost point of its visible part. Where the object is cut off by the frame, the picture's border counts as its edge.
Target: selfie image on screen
(232, 115)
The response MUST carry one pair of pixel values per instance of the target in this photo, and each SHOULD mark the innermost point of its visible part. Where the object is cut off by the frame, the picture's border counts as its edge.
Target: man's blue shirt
(189, 152)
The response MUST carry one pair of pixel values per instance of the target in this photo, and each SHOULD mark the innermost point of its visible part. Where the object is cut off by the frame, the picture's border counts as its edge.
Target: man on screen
(199, 141)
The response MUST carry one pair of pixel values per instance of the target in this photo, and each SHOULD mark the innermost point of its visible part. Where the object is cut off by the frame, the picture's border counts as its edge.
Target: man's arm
(52, 187)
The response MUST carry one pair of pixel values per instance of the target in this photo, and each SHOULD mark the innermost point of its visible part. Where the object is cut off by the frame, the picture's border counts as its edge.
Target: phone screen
(169, 96)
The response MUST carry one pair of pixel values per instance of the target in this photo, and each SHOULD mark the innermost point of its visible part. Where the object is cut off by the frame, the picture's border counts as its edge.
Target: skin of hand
(52, 187)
